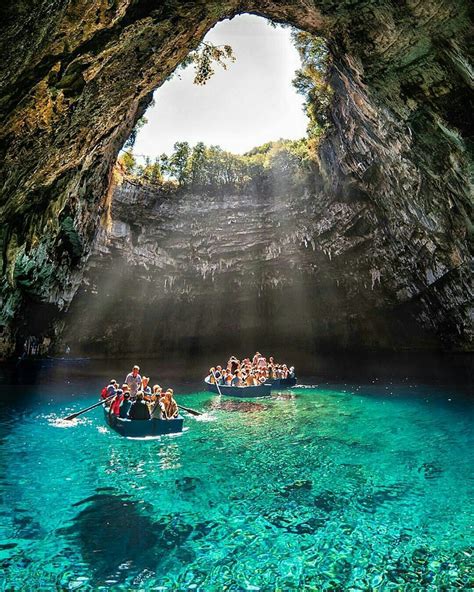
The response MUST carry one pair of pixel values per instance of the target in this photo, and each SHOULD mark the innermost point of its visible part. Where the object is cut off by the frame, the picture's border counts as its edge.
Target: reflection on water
(357, 486)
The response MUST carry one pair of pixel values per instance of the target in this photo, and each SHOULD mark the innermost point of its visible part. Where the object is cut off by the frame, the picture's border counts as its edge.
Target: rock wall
(75, 77)
(186, 272)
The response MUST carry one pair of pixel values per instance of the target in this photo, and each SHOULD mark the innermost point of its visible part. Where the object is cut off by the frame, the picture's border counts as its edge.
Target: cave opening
(389, 237)
(215, 189)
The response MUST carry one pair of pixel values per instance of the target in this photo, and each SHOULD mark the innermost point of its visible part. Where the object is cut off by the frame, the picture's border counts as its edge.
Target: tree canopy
(275, 167)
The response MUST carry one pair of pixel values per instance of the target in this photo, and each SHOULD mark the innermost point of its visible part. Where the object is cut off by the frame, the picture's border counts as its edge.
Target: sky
(250, 103)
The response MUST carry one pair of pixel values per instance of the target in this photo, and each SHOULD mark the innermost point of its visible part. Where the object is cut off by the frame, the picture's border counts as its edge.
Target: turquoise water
(326, 488)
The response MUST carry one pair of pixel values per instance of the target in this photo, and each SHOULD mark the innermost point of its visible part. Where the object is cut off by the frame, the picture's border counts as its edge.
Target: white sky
(250, 103)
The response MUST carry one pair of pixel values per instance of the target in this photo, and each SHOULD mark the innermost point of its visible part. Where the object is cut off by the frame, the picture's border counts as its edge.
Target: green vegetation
(204, 58)
(273, 167)
(312, 80)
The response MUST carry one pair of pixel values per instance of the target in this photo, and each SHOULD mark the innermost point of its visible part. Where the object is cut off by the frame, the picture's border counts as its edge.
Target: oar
(191, 411)
(217, 384)
(73, 415)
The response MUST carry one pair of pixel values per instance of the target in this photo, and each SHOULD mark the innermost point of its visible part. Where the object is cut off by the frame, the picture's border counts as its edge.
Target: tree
(197, 165)
(128, 162)
(178, 162)
(203, 58)
(312, 80)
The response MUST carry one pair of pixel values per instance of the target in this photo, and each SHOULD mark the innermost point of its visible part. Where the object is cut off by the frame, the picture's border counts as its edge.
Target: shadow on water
(238, 406)
(118, 536)
(112, 532)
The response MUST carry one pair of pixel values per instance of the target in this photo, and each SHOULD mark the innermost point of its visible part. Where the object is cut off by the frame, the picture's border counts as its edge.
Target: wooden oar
(73, 415)
(191, 411)
(217, 384)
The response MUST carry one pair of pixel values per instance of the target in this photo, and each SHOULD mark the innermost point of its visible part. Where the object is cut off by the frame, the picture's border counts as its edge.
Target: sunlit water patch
(353, 488)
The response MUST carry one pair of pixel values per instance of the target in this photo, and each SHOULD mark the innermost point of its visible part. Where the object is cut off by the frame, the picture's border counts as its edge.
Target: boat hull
(143, 428)
(244, 392)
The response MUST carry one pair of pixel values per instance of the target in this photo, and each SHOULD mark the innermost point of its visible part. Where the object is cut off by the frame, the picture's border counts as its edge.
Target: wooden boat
(143, 428)
(264, 390)
(281, 383)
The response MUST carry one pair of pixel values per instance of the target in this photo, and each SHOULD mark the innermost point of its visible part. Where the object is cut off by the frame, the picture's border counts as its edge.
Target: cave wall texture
(75, 77)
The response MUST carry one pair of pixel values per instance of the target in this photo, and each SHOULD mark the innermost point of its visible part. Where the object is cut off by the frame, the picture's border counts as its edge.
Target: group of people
(135, 399)
(250, 372)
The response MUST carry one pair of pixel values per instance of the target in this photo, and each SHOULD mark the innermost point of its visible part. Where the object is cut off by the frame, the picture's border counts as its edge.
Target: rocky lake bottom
(363, 485)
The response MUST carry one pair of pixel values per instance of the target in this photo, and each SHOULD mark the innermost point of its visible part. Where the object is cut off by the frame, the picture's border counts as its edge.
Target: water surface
(335, 487)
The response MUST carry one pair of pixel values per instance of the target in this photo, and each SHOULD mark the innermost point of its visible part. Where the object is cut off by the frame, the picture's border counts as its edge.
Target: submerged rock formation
(75, 77)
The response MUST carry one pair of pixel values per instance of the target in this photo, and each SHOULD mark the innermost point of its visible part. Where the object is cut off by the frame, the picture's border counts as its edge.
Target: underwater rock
(238, 406)
(431, 470)
(299, 486)
(187, 484)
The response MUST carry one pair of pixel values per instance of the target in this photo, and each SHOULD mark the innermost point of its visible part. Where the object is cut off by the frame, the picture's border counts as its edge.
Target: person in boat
(115, 404)
(134, 380)
(219, 375)
(292, 372)
(170, 407)
(228, 377)
(237, 380)
(212, 374)
(109, 390)
(145, 388)
(251, 379)
(157, 409)
(139, 409)
(125, 405)
(256, 358)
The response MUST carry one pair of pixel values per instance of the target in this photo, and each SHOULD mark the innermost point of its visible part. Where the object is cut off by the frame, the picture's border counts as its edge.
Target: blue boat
(281, 383)
(143, 428)
(263, 390)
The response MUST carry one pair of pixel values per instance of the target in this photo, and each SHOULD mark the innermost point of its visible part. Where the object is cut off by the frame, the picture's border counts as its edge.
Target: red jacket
(115, 407)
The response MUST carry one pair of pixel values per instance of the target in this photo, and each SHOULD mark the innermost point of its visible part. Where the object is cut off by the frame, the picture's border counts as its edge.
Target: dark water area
(360, 478)
(187, 371)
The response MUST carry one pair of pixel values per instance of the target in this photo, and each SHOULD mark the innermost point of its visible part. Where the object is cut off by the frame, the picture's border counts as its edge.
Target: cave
(391, 228)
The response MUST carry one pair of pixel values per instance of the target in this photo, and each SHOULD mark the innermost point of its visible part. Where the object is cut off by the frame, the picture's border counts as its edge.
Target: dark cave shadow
(118, 538)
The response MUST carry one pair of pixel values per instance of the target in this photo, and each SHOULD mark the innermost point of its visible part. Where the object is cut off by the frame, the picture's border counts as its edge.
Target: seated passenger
(145, 388)
(139, 409)
(212, 373)
(115, 404)
(228, 377)
(158, 408)
(219, 375)
(109, 390)
(251, 379)
(157, 389)
(125, 406)
(237, 380)
(170, 406)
